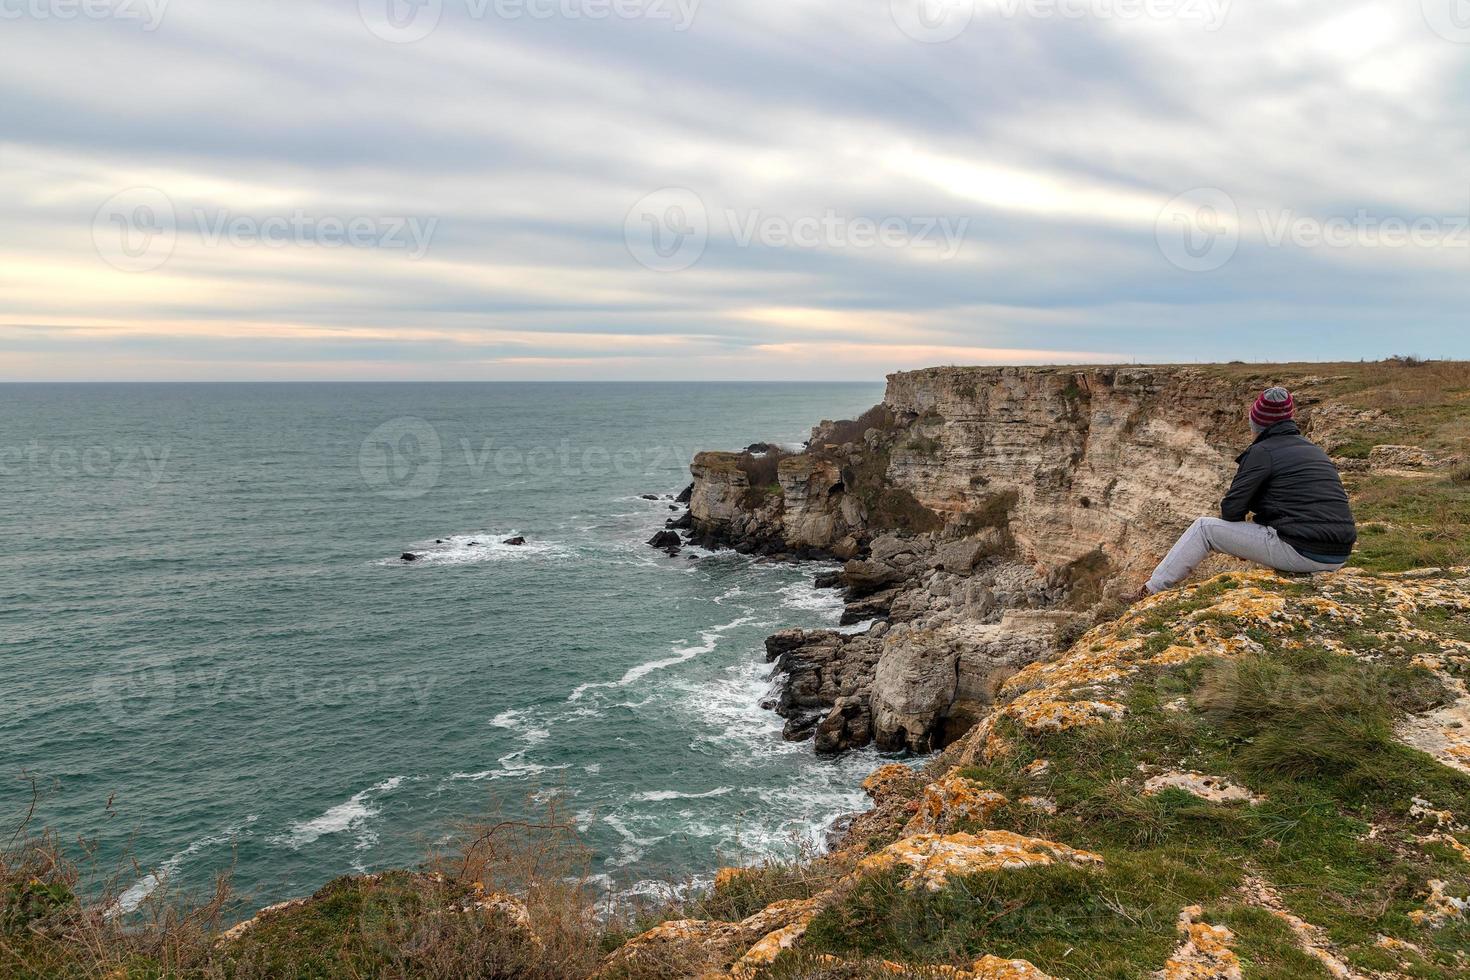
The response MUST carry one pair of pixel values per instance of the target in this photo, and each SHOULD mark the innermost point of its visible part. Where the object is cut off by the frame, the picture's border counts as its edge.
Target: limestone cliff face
(978, 511)
(1068, 461)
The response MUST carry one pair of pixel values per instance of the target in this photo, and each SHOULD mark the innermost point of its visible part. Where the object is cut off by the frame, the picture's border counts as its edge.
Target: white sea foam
(476, 547)
(138, 893)
(633, 847)
(807, 597)
(348, 815)
(710, 638)
(660, 795)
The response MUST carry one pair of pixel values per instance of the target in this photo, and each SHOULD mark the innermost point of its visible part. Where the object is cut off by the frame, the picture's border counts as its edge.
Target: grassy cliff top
(1253, 776)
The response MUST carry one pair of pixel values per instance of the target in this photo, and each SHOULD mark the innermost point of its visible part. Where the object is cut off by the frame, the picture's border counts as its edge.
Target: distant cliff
(984, 514)
(1066, 461)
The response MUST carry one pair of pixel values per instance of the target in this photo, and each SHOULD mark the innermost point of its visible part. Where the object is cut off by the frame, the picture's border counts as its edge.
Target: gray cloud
(1056, 142)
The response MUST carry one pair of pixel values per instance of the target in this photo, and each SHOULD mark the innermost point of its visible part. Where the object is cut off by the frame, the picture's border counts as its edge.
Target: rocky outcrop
(976, 511)
(967, 846)
(1064, 461)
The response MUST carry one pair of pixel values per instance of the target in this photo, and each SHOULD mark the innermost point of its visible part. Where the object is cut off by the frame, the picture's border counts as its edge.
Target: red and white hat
(1274, 405)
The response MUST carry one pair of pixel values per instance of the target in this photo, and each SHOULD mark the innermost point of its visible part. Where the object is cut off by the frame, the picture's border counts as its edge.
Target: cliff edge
(987, 515)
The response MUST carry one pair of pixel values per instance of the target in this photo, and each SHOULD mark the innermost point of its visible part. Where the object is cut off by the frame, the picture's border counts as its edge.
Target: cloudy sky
(831, 189)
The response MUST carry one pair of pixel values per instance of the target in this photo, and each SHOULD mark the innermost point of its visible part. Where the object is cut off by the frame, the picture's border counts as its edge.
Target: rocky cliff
(1065, 461)
(1249, 777)
(980, 513)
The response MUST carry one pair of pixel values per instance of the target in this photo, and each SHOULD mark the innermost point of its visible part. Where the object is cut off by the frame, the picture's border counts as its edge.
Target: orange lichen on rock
(774, 943)
(1057, 716)
(988, 967)
(1450, 842)
(1205, 953)
(1311, 939)
(994, 968)
(703, 946)
(934, 858)
(725, 877)
(952, 799)
(1439, 908)
(888, 779)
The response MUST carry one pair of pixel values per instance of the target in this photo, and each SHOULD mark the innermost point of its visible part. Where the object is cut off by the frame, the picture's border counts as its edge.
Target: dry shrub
(853, 430)
(61, 918)
(761, 469)
(546, 863)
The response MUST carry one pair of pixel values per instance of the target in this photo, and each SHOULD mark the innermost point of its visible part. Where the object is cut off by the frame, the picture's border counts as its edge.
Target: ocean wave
(476, 547)
(138, 893)
(807, 597)
(710, 638)
(349, 815)
(661, 795)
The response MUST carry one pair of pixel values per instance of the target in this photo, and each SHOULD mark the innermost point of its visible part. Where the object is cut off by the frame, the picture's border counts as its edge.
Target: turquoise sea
(213, 655)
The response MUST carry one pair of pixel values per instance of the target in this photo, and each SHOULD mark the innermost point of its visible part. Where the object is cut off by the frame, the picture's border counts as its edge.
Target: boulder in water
(517, 541)
(685, 495)
(409, 556)
(666, 539)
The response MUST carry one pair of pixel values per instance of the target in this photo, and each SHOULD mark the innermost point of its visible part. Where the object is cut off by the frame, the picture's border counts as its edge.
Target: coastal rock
(516, 541)
(817, 670)
(667, 540)
(409, 556)
(932, 685)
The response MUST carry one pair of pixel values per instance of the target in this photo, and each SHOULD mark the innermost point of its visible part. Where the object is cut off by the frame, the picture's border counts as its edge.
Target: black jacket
(1290, 484)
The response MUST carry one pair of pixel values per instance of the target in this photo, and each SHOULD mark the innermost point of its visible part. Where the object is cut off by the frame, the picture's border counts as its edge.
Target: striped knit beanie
(1274, 405)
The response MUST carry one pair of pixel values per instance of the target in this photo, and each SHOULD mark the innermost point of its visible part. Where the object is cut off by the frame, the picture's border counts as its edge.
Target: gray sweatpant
(1253, 542)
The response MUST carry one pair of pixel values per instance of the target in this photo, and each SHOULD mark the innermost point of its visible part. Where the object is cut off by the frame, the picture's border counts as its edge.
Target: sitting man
(1303, 521)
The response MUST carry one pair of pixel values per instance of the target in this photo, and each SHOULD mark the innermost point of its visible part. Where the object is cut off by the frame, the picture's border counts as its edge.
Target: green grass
(1410, 523)
(1308, 729)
